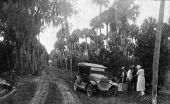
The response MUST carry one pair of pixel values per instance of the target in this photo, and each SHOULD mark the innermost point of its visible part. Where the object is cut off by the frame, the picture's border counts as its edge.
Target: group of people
(132, 80)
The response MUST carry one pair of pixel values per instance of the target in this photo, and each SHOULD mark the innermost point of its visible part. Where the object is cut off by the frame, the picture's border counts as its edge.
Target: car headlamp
(98, 81)
(110, 81)
(92, 82)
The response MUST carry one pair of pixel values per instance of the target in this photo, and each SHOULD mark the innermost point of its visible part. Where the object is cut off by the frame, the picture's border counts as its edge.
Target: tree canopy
(21, 22)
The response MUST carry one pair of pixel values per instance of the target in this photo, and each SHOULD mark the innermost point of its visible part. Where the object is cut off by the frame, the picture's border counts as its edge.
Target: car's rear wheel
(75, 84)
(89, 90)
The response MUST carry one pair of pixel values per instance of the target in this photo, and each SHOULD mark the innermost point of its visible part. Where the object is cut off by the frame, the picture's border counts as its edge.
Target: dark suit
(134, 79)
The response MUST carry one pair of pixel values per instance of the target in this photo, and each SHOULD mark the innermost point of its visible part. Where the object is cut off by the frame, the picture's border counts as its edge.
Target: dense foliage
(21, 22)
(145, 47)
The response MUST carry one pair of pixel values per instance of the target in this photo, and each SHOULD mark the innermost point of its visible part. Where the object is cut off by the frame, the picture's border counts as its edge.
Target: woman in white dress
(140, 80)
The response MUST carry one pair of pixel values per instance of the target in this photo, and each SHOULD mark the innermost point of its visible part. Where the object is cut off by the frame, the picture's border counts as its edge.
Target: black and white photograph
(84, 51)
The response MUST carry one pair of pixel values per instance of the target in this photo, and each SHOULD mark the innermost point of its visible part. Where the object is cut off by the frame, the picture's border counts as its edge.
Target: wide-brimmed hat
(138, 66)
(123, 68)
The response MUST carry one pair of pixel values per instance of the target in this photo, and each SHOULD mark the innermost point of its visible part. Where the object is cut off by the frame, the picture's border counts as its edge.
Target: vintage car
(93, 79)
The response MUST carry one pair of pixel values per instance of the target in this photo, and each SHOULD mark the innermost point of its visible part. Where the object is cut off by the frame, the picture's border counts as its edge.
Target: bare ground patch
(54, 96)
(67, 96)
(41, 90)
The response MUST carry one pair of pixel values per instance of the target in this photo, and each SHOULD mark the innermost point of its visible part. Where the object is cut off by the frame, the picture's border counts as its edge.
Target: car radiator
(104, 84)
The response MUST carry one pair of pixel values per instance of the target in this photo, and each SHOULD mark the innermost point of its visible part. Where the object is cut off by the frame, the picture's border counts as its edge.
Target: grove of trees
(21, 22)
(123, 44)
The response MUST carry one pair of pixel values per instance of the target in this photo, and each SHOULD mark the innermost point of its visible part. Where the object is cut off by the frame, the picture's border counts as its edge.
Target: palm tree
(133, 31)
(62, 36)
(102, 37)
(86, 34)
(59, 46)
(95, 24)
(125, 10)
(77, 34)
(108, 16)
(101, 3)
(70, 43)
(157, 52)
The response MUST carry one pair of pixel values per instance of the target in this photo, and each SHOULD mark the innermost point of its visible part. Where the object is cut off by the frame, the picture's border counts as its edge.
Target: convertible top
(91, 65)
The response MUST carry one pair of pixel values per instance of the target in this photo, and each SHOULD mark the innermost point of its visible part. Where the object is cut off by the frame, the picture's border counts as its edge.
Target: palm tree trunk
(29, 55)
(21, 60)
(61, 60)
(100, 17)
(107, 37)
(75, 50)
(97, 38)
(86, 43)
(65, 59)
(7, 55)
(18, 61)
(157, 52)
(90, 46)
(71, 60)
(100, 23)
(33, 63)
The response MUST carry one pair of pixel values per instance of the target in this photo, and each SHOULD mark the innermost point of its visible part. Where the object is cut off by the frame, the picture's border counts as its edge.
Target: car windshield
(97, 70)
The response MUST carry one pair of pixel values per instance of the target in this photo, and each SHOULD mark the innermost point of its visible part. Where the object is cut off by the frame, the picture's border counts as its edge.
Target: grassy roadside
(25, 91)
(121, 98)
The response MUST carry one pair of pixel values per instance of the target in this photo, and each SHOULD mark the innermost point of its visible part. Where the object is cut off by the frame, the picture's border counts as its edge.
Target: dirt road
(41, 91)
(67, 96)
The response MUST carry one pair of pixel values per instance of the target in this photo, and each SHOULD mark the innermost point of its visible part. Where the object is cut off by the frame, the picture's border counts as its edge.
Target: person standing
(129, 81)
(140, 80)
(134, 79)
(122, 78)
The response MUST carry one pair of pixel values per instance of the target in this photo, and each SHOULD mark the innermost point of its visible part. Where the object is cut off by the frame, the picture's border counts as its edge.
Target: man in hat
(122, 79)
(129, 81)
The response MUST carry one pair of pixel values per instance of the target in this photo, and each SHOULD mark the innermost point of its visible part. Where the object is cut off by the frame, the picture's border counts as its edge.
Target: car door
(85, 77)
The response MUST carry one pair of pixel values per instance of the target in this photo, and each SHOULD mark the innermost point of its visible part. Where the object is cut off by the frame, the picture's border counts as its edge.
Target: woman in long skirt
(140, 80)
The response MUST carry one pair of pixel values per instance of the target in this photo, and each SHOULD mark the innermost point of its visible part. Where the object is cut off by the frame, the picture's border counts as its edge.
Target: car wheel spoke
(75, 84)
(89, 90)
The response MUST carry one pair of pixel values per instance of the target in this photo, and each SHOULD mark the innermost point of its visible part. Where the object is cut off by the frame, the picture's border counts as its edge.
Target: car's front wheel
(75, 84)
(113, 90)
(89, 90)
